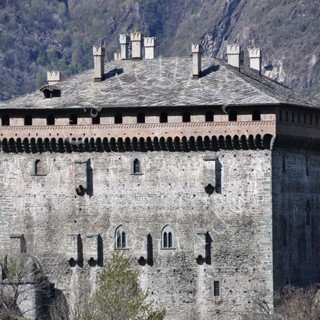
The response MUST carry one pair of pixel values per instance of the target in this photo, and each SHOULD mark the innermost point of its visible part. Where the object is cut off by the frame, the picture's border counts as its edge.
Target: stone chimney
(196, 60)
(124, 45)
(98, 61)
(117, 56)
(255, 59)
(53, 77)
(149, 44)
(136, 43)
(233, 53)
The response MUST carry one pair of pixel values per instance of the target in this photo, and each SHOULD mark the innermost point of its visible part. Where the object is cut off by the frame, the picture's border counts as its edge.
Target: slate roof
(163, 82)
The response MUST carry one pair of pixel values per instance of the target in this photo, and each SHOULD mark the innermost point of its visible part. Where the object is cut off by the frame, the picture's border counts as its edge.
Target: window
(5, 120)
(186, 117)
(38, 169)
(167, 238)
(209, 116)
(120, 238)
(73, 119)
(95, 118)
(280, 114)
(292, 116)
(233, 116)
(28, 120)
(50, 120)
(163, 117)
(141, 118)
(136, 166)
(287, 116)
(118, 118)
(216, 288)
(256, 115)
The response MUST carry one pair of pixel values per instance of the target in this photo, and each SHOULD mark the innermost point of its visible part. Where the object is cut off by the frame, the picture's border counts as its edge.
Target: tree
(119, 295)
(23, 288)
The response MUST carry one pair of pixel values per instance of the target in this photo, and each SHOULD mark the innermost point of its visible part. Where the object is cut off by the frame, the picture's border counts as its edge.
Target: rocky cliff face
(37, 35)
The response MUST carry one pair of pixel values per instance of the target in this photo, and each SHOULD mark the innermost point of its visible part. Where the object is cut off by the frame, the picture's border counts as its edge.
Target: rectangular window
(216, 288)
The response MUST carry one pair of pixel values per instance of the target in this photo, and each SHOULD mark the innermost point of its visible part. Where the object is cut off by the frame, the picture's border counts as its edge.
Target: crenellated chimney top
(196, 60)
(149, 45)
(233, 53)
(98, 61)
(136, 44)
(255, 58)
(124, 46)
(53, 77)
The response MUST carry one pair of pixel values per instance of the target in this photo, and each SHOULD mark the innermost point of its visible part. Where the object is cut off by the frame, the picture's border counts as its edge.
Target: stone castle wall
(47, 210)
(296, 205)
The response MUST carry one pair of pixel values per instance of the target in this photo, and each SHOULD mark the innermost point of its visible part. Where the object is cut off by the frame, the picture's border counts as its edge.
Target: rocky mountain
(41, 35)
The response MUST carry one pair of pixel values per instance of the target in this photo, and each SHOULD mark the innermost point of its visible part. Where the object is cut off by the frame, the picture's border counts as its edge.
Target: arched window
(50, 120)
(233, 116)
(141, 118)
(256, 115)
(186, 117)
(73, 119)
(120, 238)
(28, 120)
(209, 116)
(163, 117)
(167, 238)
(136, 167)
(38, 167)
(5, 120)
(118, 118)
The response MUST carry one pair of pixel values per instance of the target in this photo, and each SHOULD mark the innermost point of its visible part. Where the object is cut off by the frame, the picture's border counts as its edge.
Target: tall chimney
(53, 77)
(149, 44)
(255, 59)
(98, 61)
(136, 42)
(233, 53)
(196, 60)
(124, 45)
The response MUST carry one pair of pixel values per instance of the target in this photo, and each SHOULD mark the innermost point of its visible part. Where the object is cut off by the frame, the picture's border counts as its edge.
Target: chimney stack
(117, 56)
(98, 61)
(136, 42)
(124, 45)
(53, 77)
(255, 59)
(149, 44)
(196, 60)
(233, 53)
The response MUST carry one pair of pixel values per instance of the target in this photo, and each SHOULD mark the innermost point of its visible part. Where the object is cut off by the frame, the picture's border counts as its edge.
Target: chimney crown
(136, 36)
(117, 56)
(254, 53)
(196, 48)
(123, 38)
(255, 58)
(98, 50)
(233, 49)
(53, 77)
(149, 41)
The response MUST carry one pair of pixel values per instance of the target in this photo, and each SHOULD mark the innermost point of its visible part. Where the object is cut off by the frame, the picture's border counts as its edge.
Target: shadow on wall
(59, 309)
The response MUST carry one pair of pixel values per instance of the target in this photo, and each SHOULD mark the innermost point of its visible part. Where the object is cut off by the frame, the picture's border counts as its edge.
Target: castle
(206, 172)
